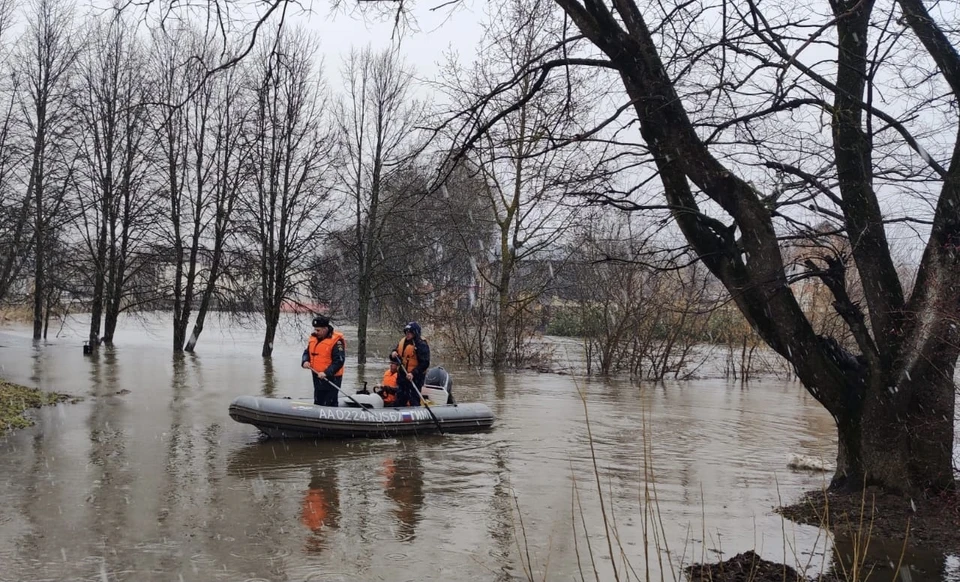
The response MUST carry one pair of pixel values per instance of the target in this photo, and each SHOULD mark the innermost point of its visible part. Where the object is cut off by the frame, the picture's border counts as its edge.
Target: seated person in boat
(325, 356)
(387, 389)
(413, 354)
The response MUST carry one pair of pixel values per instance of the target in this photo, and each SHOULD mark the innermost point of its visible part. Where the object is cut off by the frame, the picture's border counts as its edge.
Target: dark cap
(321, 321)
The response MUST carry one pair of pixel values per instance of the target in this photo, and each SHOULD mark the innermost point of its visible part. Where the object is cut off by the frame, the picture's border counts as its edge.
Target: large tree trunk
(40, 235)
(897, 436)
(110, 318)
(115, 285)
(207, 296)
(178, 250)
(182, 319)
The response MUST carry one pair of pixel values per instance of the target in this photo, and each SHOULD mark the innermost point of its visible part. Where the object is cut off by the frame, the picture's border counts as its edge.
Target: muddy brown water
(158, 483)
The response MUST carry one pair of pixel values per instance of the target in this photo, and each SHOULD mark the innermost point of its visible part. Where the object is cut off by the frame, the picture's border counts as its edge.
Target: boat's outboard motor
(438, 386)
(438, 377)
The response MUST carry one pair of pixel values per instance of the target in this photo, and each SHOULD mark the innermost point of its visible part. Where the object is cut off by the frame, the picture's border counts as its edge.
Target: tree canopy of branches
(15, 240)
(117, 201)
(283, 210)
(730, 122)
(47, 59)
(759, 121)
(526, 177)
(378, 140)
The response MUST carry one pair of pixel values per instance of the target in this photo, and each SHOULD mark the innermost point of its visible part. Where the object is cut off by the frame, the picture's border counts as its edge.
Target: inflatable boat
(364, 415)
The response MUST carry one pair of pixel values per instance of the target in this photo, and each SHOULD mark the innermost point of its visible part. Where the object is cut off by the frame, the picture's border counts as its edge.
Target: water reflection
(321, 507)
(280, 459)
(501, 527)
(269, 386)
(108, 456)
(37, 356)
(403, 483)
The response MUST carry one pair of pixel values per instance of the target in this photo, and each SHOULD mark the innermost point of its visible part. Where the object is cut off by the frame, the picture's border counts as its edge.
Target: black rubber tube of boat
(417, 390)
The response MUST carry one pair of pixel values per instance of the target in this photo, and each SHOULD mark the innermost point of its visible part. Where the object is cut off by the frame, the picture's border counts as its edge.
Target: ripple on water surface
(200, 497)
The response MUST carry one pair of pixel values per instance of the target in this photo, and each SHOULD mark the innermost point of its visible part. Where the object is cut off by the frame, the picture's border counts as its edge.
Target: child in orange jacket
(388, 386)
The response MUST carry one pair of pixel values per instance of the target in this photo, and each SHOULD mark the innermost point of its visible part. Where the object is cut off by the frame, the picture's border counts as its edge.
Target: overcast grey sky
(423, 45)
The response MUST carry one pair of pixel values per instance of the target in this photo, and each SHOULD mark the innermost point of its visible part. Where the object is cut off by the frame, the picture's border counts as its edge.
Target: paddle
(354, 400)
(417, 390)
(340, 390)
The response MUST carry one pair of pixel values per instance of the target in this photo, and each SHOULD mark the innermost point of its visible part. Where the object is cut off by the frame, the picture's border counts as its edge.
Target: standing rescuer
(324, 356)
(413, 354)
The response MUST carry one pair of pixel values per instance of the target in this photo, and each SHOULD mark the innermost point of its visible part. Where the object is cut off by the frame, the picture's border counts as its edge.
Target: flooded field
(148, 478)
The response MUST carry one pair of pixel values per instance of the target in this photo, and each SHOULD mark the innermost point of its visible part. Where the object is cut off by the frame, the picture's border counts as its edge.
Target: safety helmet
(412, 326)
(321, 321)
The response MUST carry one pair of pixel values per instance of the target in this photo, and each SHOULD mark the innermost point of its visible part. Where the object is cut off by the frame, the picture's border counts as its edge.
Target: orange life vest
(408, 355)
(389, 379)
(321, 351)
(389, 382)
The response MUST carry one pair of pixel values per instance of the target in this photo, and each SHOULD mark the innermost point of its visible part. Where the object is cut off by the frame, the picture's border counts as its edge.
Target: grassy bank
(16, 314)
(15, 400)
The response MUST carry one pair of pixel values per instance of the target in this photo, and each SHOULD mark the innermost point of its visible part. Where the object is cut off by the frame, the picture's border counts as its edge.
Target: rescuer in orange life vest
(325, 355)
(413, 353)
(387, 389)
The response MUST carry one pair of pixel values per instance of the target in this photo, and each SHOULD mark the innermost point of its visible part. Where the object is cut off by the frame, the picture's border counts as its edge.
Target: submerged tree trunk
(115, 285)
(897, 434)
(110, 318)
(205, 299)
(272, 317)
(181, 319)
(39, 292)
(498, 353)
(363, 321)
(96, 308)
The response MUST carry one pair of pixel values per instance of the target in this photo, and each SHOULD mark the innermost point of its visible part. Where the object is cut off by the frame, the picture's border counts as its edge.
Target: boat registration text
(379, 416)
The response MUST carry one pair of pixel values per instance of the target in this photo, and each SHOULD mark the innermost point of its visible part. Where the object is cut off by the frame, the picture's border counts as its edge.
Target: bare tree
(377, 126)
(118, 205)
(459, 234)
(230, 160)
(526, 177)
(16, 242)
(204, 152)
(636, 309)
(755, 140)
(285, 207)
(47, 57)
(712, 142)
(182, 134)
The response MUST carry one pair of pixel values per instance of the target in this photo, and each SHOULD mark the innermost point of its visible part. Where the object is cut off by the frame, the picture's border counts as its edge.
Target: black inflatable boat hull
(281, 418)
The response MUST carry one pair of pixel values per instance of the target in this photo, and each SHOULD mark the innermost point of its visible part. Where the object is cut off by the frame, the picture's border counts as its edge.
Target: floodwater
(148, 478)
